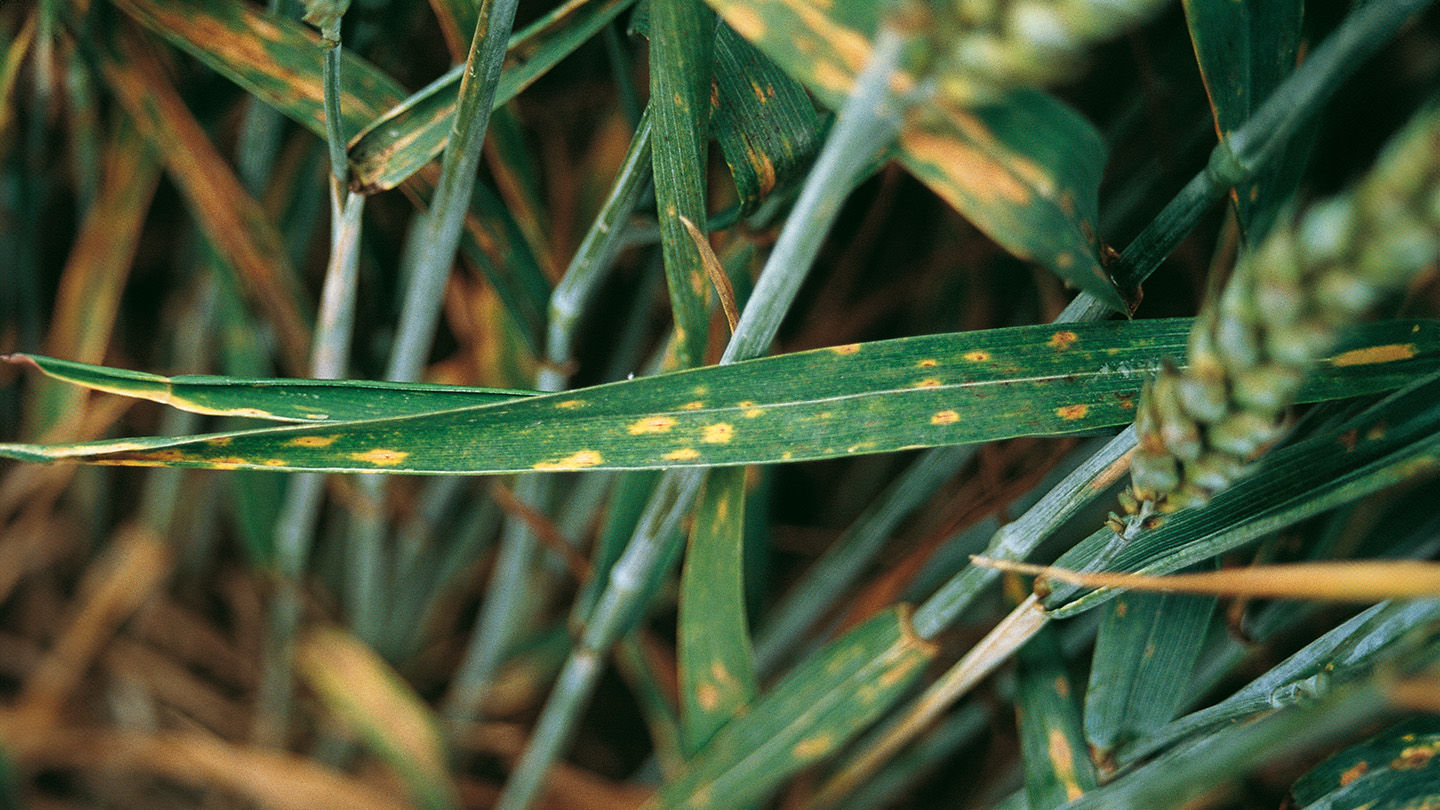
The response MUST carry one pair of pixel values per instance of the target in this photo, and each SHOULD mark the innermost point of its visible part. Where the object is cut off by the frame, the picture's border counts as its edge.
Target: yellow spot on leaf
(929, 382)
(1073, 411)
(848, 348)
(812, 747)
(570, 404)
(720, 673)
(274, 462)
(718, 433)
(578, 460)
(945, 417)
(1374, 354)
(977, 356)
(692, 406)
(1062, 340)
(928, 362)
(707, 696)
(683, 454)
(227, 463)
(652, 424)
(1062, 686)
(746, 21)
(381, 457)
(751, 413)
(311, 441)
(219, 441)
(1062, 759)
(161, 455)
(1356, 771)
(964, 169)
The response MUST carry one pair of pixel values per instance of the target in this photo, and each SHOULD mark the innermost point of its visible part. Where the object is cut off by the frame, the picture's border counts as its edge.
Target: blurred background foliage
(189, 637)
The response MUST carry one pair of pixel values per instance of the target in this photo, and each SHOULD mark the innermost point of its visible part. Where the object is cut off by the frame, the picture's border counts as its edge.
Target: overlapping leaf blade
(283, 400)
(816, 709)
(860, 398)
(1026, 171)
(716, 665)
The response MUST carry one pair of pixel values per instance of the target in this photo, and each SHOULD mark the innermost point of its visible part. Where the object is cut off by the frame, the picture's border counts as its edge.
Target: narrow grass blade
(287, 400)
(1188, 774)
(1394, 769)
(1140, 672)
(681, 36)
(372, 699)
(394, 145)
(1391, 442)
(231, 219)
(819, 706)
(860, 398)
(1016, 168)
(1349, 651)
(764, 123)
(1244, 52)
(1052, 747)
(270, 56)
(717, 667)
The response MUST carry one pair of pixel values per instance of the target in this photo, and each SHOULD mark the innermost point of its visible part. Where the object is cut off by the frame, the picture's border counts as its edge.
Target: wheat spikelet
(984, 47)
(1285, 306)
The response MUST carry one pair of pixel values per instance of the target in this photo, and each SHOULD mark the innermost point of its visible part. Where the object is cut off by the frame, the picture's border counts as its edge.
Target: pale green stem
(500, 613)
(445, 219)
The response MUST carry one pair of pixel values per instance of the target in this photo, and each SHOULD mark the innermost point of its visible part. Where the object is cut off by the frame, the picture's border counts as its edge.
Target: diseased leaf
(1026, 170)
(859, 398)
(1394, 770)
(716, 664)
(764, 123)
(297, 400)
(809, 715)
(680, 69)
(1052, 747)
(272, 57)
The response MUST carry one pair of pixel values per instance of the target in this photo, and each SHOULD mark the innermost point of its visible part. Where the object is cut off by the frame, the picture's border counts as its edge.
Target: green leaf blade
(716, 664)
(855, 399)
(816, 709)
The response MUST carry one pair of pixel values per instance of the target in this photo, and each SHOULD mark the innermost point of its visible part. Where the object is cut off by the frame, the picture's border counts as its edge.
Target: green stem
(593, 257)
(295, 529)
(500, 612)
(334, 125)
(458, 167)
(1017, 539)
(850, 556)
(1237, 159)
(869, 121)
